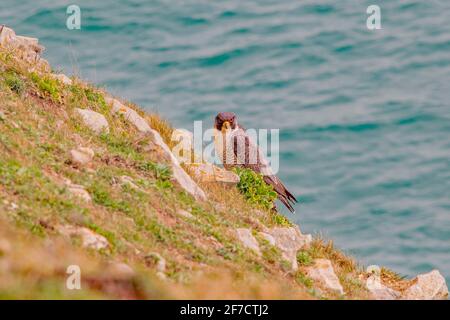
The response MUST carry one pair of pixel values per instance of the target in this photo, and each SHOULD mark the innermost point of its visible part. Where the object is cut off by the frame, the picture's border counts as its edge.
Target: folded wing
(248, 155)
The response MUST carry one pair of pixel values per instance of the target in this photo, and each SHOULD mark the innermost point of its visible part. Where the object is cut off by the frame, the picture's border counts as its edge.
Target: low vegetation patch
(255, 190)
(14, 82)
(47, 86)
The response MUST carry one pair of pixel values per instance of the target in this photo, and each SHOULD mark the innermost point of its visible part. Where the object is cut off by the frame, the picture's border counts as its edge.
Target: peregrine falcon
(235, 149)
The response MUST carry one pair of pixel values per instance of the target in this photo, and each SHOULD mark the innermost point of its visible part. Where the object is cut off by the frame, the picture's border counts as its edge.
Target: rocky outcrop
(183, 179)
(288, 240)
(428, 286)
(376, 288)
(80, 192)
(246, 237)
(207, 172)
(199, 169)
(130, 115)
(81, 155)
(76, 190)
(25, 48)
(94, 120)
(322, 272)
(89, 239)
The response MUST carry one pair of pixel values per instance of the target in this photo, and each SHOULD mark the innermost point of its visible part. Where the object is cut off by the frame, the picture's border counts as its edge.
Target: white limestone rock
(428, 286)
(130, 115)
(288, 240)
(26, 48)
(202, 171)
(81, 155)
(269, 238)
(94, 120)
(79, 191)
(182, 178)
(89, 238)
(322, 272)
(246, 237)
(7, 36)
(207, 172)
(378, 290)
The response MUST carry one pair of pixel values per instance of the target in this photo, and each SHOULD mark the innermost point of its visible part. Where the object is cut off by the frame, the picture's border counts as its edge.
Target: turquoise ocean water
(364, 116)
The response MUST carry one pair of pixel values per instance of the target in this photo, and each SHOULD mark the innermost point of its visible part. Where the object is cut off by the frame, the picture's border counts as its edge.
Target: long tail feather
(284, 195)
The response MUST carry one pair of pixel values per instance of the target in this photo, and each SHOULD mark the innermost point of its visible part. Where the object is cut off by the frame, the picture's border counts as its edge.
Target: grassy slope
(38, 128)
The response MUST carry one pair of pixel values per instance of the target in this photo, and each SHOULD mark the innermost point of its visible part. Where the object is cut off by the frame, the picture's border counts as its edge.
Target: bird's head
(225, 121)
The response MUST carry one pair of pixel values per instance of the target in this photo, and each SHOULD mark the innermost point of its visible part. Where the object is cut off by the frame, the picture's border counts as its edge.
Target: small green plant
(304, 258)
(47, 86)
(14, 82)
(304, 280)
(161, 171)
(271, 254)
(255, 190)
(85, 95)
(96, 97)
(92, 95)
(280, 220)
(102, 196)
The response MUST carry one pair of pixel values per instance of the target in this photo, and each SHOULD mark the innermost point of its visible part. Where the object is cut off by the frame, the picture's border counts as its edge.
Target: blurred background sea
(364, 116)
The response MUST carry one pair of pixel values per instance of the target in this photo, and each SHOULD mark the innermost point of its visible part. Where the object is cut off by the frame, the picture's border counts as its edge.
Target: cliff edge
(94, 205)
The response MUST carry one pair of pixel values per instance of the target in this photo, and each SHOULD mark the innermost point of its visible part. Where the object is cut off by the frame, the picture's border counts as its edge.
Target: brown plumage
(235, 149)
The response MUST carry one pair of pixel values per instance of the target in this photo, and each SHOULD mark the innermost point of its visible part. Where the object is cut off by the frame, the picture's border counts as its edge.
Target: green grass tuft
(280, 220)
(304, 280)
(47, 86)
(159, 170)
(14, 82)
(304, 258)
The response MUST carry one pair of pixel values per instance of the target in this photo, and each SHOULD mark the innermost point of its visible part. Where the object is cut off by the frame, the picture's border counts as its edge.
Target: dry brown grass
(394, 280)
(162, 126)
(321, 248)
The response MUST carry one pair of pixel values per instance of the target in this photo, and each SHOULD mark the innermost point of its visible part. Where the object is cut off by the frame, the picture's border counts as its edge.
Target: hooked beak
(225, 126)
